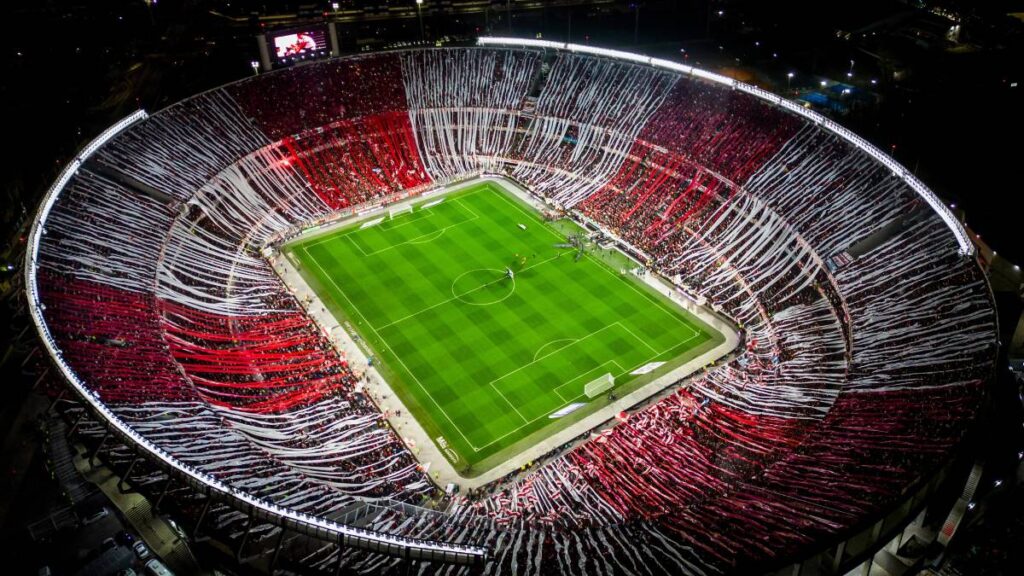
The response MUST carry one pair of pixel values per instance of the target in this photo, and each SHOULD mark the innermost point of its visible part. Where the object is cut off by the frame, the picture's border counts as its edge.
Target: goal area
(396, 211)
(599, 385)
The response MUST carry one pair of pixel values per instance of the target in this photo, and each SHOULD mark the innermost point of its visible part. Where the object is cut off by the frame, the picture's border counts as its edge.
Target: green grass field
(483, 360)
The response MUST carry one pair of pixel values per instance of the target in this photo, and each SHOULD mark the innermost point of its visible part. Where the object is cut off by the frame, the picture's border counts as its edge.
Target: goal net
(396, 211)
(599, 385)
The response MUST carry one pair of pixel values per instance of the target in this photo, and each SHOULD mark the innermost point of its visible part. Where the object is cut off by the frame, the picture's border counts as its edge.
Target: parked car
(156, 568)
(141, 550)
(107, 544)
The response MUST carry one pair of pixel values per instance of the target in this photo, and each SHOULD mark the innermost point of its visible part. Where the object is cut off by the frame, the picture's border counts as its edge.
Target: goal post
(392, 212)
(599, 385)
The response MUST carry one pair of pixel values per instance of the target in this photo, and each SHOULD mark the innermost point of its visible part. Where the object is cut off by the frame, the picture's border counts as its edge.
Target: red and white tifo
(869, 327)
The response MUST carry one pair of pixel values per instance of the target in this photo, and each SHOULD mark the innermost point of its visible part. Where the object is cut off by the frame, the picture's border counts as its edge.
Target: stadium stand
(852, 381)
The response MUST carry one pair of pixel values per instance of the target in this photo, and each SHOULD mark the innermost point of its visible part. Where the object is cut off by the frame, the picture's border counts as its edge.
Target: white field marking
(495, 388)
(503, 376)
(502, 299)
(628, 282)
(649, 347)
(570, 341)
(352, 231)
(571, 400)
(657, 302)
(553, 352)
(602, 365)
(504, 196)
(443, 302)
(421, 239)
(427, 392)
(384, 342)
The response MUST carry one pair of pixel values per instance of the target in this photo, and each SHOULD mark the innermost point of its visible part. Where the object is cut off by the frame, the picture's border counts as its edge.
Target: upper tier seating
(851, 382)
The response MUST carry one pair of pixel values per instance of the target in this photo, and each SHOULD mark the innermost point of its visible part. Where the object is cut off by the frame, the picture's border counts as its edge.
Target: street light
(419, 13)
(789, 80)
(255, 66)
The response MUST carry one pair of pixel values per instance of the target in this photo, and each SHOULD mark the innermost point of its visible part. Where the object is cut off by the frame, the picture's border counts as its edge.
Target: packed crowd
(354, 161)
(463, 105)
(848, 384)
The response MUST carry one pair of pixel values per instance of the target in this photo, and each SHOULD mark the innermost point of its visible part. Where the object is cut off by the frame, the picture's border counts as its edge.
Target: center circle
(483, 286)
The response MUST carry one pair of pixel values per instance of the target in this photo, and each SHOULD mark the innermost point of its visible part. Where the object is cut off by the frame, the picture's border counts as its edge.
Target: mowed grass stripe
(458, 359)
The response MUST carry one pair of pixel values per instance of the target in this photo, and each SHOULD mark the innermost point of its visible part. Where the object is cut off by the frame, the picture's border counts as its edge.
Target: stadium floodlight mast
(419, 13)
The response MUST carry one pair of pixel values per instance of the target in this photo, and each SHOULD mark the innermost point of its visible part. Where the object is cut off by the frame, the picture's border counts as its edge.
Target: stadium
(522, 307)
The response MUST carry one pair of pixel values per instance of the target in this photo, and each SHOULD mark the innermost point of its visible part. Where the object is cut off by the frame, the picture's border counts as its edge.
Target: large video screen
(294, 46)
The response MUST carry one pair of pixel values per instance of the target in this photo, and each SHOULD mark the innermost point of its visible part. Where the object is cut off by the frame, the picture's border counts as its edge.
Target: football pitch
(487, 325)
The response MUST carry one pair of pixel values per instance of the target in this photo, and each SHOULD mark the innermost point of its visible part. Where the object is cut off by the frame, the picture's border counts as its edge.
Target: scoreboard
(280, 48)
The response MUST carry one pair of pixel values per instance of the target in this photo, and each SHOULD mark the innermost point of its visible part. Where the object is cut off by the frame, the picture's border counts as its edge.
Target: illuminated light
(790, 75)
(971, 505)
(309, 523)
(299, 44)
(954, 225)
(997, 483)
(823, 83)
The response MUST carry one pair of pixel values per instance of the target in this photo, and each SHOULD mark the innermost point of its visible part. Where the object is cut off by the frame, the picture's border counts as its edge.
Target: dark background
(949, 111)
(72, 67)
